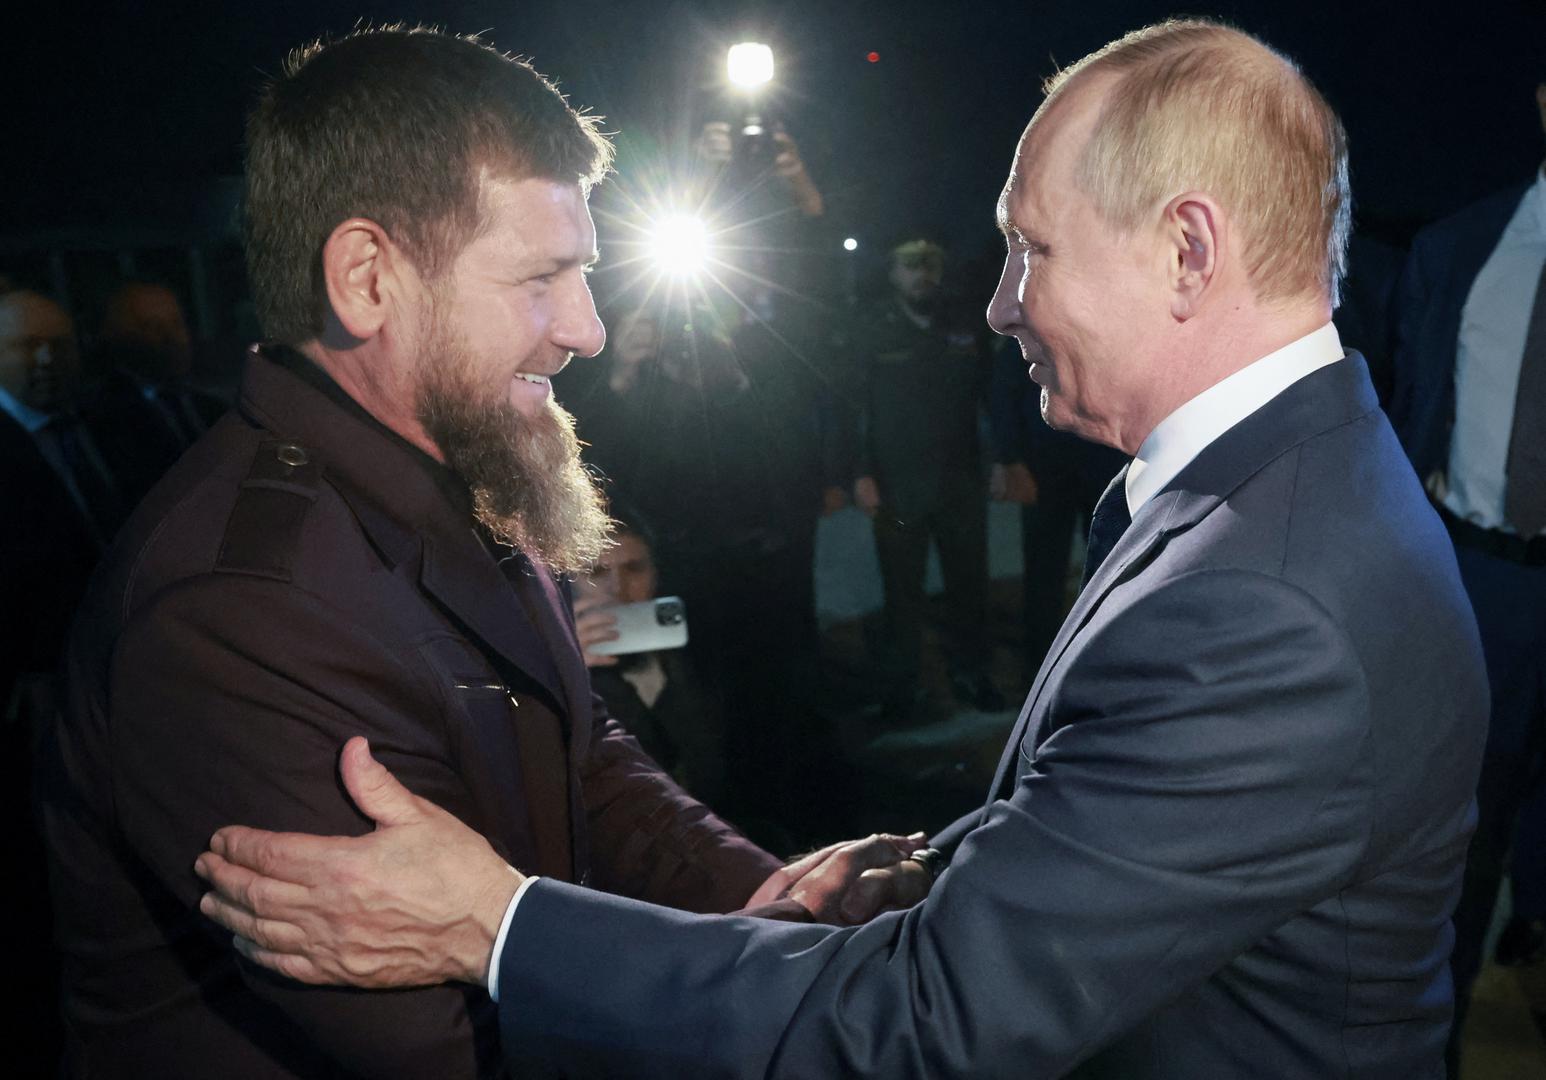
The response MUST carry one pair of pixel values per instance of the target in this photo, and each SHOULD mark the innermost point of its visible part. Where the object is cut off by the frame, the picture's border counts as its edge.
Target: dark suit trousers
(1510, 604)
(959, 528)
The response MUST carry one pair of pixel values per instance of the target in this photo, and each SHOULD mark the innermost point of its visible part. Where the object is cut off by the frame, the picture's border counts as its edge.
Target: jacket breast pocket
(478, 698)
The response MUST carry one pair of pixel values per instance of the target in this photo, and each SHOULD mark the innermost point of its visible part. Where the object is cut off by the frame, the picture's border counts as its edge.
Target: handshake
(421, 900)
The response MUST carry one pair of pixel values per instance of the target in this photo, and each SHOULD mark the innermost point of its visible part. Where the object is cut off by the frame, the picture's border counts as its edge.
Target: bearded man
(371, 543)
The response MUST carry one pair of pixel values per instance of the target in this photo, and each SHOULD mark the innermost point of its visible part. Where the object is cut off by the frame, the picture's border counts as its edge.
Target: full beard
(529, 488)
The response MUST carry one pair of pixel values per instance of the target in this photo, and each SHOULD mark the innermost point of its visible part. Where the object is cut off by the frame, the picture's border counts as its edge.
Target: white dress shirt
(1185, 433)
(1488, 357)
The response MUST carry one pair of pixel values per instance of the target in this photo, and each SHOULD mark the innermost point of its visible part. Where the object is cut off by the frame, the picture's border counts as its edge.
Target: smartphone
(648, 626)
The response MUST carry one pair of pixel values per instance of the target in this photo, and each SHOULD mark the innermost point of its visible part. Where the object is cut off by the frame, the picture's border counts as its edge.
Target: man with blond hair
(1227, 831)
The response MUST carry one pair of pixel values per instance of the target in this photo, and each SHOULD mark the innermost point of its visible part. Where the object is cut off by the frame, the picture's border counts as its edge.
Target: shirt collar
(1535, 200)
(1184, 434)
(28, 417)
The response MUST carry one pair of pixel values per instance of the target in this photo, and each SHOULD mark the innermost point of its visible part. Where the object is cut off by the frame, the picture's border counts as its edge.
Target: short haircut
(1201, 106)
(397, 125)
(916, 252)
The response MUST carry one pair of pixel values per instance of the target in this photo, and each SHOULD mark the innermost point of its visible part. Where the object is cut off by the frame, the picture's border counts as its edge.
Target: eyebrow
(1006, 226)
(552, 265)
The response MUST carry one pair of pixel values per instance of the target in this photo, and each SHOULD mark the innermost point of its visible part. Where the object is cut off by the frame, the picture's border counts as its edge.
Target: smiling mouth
(541, 380)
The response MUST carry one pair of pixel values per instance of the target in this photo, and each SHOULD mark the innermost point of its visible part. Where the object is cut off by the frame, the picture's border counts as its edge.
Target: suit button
(291, 454)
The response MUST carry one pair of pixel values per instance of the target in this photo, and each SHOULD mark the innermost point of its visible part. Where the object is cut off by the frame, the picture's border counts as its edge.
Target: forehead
(25, 314)
(1048, 151)
(631, 548)
(534, 219)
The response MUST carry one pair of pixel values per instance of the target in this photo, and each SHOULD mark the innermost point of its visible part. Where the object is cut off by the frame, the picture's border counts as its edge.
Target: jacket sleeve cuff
(499, 940)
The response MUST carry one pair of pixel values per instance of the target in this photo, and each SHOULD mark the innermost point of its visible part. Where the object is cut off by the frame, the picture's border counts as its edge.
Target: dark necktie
(90, 481)
(1107, 524)
(1524, 492)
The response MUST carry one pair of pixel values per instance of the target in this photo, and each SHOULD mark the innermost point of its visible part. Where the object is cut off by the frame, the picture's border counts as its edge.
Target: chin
(1052, 411)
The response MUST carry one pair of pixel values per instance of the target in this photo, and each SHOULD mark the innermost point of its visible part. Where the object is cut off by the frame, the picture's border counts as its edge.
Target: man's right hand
(867, 495)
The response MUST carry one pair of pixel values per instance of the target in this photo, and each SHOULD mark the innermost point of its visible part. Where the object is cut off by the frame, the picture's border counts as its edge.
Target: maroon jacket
(301, 576)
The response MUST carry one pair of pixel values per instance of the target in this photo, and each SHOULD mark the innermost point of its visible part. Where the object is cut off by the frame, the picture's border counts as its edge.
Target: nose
(1004, 308)
(578, 328)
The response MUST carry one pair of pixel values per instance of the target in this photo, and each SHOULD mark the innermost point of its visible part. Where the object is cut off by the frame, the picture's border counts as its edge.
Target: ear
(363, 271)
(1193, 245)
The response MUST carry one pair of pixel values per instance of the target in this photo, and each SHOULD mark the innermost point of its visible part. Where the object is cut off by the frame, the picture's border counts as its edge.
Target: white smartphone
(648, 626)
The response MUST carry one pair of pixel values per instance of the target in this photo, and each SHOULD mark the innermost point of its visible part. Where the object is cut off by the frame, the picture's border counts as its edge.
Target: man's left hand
(851, 882)
(417, 902)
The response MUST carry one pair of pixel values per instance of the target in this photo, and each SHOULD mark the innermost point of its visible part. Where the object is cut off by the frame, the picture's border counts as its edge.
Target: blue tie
(1107, 524)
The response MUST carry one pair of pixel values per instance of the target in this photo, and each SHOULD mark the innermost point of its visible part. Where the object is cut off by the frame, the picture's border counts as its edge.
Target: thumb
(375, 790)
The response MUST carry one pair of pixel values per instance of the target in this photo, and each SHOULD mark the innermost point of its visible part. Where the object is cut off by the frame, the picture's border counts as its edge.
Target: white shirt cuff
(499, 941)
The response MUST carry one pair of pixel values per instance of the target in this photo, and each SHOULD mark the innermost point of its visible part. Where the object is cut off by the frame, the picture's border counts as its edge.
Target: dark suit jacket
(1439, 273)
(302, 575)
(1228, 837)
(47, 549)
(918, 394)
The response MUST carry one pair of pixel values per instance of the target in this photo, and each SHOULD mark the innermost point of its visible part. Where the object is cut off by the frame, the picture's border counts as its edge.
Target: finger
(894, 888)
(882, 849)
(904, 845)
(374, 789)
(271, 934)
(292, 857)
(806, 863)
(601, 628)
(295, 967)
(267, 896)
(867, 895)
(821, 888)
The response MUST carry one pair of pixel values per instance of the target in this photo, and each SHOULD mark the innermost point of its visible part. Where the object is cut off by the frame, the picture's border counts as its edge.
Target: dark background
(126, 117)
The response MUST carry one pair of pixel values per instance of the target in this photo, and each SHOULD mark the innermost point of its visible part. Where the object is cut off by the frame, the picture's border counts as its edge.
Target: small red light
(873, 57)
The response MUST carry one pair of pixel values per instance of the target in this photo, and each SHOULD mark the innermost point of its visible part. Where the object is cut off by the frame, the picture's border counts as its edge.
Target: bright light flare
(850, 244)
(749, 64)
(679, 245)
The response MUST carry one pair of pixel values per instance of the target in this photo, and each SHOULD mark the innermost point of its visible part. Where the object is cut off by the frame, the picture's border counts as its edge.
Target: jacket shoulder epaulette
(263, 533)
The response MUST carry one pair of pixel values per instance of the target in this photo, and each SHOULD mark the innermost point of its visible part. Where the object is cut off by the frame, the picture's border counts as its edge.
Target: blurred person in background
(54, 493)
(657, 695)
(1469, 403)
(145, 342)
(920, 382)
(720, 433)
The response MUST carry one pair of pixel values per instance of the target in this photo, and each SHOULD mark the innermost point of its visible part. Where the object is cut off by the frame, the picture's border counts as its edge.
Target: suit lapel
(1138, 545)
(1326, 398)
(539, 595)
